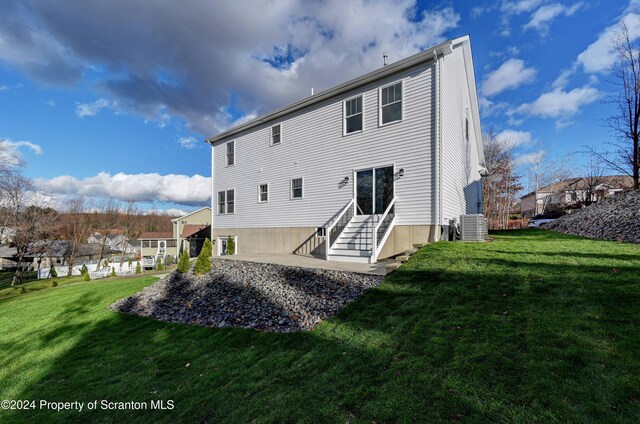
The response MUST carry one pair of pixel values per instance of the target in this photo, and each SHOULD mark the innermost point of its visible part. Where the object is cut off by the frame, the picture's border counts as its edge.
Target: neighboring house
(572, 193)
(377, 164)
(115, 243)
(189, 233)
(6, 235)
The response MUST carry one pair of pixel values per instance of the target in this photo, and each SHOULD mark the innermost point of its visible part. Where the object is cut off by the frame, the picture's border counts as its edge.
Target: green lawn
(531, 327)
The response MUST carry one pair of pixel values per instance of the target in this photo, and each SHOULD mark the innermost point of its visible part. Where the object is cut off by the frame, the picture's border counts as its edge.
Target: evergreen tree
(113, 272)
(203, 263)
(52, 272)
(138, 268)
(86, 276)
(183, 263)
(231, 245)
(159, 266)
(84, 270)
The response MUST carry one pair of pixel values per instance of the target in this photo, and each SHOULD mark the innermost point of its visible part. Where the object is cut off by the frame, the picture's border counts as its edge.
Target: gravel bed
(616, 218)
(266, 297)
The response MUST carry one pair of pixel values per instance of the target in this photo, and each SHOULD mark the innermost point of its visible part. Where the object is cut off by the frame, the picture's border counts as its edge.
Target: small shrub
(159, 266)
(138, 268)
(23, 290)
(231, 245)
(105, 264)
(52, 272)
(87, 277)
(130, 263)
(203, 263)
(168, 261)
(54, 283)
(113, 272)
(183, 263)
(84, 270)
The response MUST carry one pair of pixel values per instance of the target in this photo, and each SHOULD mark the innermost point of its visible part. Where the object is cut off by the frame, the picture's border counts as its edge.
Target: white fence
(63, 270)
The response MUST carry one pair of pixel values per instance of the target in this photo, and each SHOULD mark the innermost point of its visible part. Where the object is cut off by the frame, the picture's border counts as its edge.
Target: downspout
(437, 175)
(213, 198)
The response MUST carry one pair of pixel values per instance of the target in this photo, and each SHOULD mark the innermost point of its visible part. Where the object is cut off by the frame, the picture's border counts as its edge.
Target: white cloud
(50, 103)
(92, 109)
(179, 189)
(560, 104)
(4, 87)
(513, 138)
(258, 55)
(601, 54)
(10, 154)
(520, 6)
(511, 74)
(563, 78)
(528, 158)
(542, 18)
(188, 142)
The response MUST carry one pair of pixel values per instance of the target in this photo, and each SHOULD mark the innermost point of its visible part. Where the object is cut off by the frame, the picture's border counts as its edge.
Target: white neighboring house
(116, 243)
(377, 164)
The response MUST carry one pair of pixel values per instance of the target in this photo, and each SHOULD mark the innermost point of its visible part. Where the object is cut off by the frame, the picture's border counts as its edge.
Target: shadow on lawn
(426, 345)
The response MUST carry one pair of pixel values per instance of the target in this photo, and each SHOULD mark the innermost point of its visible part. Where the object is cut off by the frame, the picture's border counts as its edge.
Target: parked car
(538, 220)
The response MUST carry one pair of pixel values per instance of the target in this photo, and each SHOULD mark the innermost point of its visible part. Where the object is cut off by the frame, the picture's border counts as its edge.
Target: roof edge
(425, 55)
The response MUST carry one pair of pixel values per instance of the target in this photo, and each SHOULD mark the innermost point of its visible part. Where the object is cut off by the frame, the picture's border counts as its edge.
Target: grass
(31, 283)
(531, 327)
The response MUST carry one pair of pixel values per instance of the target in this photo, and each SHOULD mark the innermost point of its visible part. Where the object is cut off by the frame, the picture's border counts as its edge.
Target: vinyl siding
(313, 147)
(461, 182)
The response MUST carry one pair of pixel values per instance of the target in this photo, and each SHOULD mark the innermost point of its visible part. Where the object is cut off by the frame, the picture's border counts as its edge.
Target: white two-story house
(360, 171)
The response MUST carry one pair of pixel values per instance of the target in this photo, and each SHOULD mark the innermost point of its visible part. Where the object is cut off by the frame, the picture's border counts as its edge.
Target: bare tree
(543, 172)
(130, 225)
(624, 155)
(502, 183)
(586, 189)
(75, 229)
(109, 214)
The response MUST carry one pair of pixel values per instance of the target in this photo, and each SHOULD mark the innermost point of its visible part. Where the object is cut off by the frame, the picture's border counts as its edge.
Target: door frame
(373, 194)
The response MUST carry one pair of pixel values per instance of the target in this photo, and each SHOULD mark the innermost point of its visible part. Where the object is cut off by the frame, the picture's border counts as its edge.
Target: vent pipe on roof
(385, 56)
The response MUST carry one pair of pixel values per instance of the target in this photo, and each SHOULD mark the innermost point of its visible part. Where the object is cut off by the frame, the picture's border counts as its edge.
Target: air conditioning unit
(473, 227)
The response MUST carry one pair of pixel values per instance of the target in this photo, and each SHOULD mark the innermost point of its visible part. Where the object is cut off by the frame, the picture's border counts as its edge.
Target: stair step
(410, 252)
(392, 267)
(343, 258)
(418, 245)
(402, 258)
(352, 246)
(350, 252)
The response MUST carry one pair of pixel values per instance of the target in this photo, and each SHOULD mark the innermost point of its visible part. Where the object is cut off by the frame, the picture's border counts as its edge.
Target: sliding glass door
(374, 190)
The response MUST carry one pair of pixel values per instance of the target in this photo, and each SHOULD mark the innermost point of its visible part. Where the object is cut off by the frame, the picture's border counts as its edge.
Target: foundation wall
(302, 240)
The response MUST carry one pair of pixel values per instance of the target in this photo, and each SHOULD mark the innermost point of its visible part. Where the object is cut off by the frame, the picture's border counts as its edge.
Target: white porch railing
(378, 242)
(329, 228)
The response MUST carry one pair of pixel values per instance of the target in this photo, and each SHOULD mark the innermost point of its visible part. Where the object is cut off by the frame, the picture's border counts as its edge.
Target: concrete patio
(309, 262)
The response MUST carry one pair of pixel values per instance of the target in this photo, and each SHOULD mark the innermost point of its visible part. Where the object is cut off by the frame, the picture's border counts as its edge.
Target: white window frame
(226, 238)
(226, 153)
(344, 115)
(226, 202)
(380, 124)
(271, 143)
(291, 188)
(259, 193)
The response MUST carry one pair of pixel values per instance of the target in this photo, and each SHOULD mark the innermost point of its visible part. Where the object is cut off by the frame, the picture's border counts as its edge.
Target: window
(391, 103)
(353, 115)
(226, 202)
(296, 188)
(466, 128)
(263, 193)
(275, 134)
(231, 153)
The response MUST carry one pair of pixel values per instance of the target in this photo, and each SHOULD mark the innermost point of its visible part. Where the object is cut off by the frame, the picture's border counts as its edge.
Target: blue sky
(113, 99)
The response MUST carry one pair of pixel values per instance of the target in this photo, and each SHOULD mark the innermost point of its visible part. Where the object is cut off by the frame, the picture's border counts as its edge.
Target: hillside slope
(616, 218)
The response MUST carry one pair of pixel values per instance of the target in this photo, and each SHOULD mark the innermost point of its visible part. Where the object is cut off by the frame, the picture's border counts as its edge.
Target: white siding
(313, 147)
(461, 182)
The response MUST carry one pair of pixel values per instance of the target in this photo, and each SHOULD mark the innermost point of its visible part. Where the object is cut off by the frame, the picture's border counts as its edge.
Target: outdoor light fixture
(401, 172)
(345, 180)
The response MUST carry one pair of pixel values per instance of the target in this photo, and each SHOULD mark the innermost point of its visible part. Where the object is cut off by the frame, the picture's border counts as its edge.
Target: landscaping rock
(266, 297)
(616, 218)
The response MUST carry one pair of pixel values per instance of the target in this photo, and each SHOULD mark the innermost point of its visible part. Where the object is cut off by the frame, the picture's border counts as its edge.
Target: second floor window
(275, 134)
(353, 115)
(231, 153)
(391, 103)
(226, 202)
